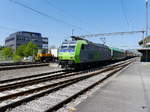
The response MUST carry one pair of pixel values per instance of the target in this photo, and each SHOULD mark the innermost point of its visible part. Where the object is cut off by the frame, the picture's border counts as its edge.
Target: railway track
(20, 66)
(18, 63)
(8, 81)
(13, 94)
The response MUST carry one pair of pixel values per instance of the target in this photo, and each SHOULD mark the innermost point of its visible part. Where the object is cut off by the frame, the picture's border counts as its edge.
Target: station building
(145, 43)
(23, 37)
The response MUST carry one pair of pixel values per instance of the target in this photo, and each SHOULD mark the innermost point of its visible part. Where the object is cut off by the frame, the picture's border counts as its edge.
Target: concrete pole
(146, 28)
(146, 24)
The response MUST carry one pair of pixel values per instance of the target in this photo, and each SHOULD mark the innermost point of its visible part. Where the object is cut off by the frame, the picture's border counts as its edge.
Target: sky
(82, 16)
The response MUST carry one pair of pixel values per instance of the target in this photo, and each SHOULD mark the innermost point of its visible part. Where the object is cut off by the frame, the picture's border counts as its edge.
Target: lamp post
(146, 24)
(33, 53)
(146, 27)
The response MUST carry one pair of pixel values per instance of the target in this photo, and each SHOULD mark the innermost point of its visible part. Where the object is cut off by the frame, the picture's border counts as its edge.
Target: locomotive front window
(64, 47)
(71, 47)
(68, 47)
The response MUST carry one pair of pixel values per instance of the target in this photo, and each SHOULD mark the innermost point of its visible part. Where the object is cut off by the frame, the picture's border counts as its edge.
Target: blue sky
(85, 17)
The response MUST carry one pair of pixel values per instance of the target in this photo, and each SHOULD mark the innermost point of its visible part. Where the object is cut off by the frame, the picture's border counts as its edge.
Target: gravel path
(25, 72)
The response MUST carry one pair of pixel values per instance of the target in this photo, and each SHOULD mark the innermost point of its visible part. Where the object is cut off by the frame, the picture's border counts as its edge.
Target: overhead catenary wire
(124, 13)
(66, 13)
(45, 15)
(111, 34)
(62, 11)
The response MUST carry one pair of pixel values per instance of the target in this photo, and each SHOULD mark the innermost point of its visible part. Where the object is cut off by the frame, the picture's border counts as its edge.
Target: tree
(1, 57)
(7, 52)
(20, 50)
(16, 58)
(1, 47)
(1, 52)
(30, 49)
(26, 50)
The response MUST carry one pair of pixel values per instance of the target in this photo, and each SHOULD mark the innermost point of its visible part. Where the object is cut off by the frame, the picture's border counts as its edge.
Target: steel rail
(61, 104)
(37, 75)
(17, 103)
(38, 88)
(31, 82)
(38, 80)
(44, 87)
(69, 99)
(18, 63)
(28, 77)
(22, 66)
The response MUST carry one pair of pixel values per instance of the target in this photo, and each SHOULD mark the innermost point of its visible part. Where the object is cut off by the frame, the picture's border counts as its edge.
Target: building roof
(28, 32)
(146, 41)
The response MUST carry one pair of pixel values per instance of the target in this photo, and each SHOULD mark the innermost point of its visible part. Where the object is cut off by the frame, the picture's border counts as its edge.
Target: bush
(7, 53)
(16, 58)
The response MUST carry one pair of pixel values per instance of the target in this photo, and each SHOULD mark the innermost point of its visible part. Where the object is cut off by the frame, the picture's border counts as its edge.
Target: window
(63, 47)
(33, 35)
(45, 38)
(11, 39)
(12, 45)
(44, 46)
(18, 44)
(71, 47)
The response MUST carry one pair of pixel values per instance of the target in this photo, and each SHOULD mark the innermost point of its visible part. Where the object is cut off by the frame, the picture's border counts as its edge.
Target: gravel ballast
(4, 75)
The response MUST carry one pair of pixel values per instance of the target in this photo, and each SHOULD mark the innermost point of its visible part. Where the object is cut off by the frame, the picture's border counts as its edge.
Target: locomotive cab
(69, 53)
(66, 53)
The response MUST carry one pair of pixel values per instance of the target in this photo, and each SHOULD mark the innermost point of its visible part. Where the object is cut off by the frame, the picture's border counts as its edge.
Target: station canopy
(145, 42)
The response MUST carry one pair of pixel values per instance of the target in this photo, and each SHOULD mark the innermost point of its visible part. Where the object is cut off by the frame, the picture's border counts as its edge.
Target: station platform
(129, 91)
(145, 54)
